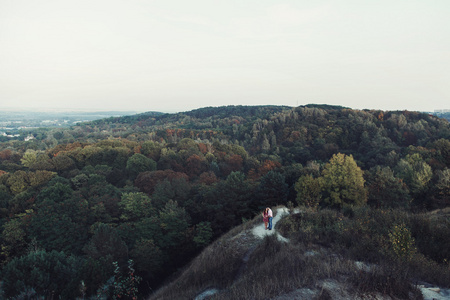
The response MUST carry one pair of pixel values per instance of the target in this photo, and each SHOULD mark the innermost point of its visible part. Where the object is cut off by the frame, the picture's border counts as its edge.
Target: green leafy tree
(40, 177)
(169, 159)
(148, 228)
(148, 257)
(177, 190)
(225, 203)
(106, 244)
(415, 172)
(89, 155)
(57, 191)
(151, 149)
(136, 206)
(138, 163)
(272, 189)
(29, 158)
(21, 203)
(59, 218)
(14, 240)
(61, 225)
(443, 183)
(36, 160)
(5, 197)
(309, 191)
(146, 181)
(79, 181)
(116, 157)
(441, 190)
(50, 274)
(187, 144)
(18, 182)
(343, 182)
(236, 192)
(386, 190)
(443, 147)
(62, 162)
(174, 221)
(203, 234)
(102, 198)
(176, 237)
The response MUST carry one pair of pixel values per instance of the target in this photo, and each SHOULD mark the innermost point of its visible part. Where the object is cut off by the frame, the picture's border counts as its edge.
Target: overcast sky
(177, 55)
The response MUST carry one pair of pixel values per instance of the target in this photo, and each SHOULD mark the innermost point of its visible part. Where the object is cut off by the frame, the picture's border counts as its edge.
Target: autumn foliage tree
(195, 165)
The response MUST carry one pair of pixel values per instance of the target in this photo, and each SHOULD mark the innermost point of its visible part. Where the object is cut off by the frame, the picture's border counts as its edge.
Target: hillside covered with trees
(117, 205)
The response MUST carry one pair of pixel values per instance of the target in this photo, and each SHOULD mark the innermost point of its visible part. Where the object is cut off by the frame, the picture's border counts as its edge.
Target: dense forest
(115, 206)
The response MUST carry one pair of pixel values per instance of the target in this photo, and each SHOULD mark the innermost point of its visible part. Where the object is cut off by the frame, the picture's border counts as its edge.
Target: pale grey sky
(177, 55)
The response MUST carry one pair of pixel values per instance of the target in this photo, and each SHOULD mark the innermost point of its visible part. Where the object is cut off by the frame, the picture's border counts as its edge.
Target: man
(270, 215)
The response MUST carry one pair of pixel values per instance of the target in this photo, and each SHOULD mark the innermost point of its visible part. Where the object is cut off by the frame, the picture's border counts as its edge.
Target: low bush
(422, 268)
(310, 227)
(386, 279)
(432, 236)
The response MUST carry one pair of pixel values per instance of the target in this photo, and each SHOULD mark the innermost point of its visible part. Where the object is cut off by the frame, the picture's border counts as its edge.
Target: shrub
(313, 227)
(402, 243)
(385, 280)
(432, 236)
(425, 269)
(125, 286)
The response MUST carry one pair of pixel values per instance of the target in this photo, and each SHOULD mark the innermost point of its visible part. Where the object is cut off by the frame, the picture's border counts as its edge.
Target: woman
(265, 215)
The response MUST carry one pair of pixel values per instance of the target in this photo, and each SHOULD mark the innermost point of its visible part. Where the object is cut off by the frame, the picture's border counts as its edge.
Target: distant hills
(445, 114)
(25, 119)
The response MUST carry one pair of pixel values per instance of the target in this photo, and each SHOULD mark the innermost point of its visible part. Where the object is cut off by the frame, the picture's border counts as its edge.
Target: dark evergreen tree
(271, 191)
(42, 274)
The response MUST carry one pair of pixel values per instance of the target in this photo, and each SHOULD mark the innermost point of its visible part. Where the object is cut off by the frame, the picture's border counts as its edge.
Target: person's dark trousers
(270, 223)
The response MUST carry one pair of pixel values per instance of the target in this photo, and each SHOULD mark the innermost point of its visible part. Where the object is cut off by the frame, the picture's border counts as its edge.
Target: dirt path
(261, 232)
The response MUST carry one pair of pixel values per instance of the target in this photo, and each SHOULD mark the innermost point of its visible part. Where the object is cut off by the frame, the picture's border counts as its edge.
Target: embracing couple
(267, 218)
